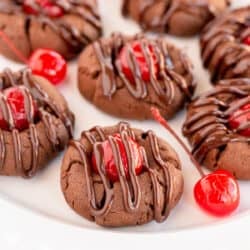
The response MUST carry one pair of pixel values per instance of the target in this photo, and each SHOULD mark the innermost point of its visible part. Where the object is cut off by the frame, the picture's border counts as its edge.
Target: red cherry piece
(140, 59)
(15, 99)
(109, 161)
(246, 41)
(49, 8)
(49, 64)
(218, 193)
(239, 118)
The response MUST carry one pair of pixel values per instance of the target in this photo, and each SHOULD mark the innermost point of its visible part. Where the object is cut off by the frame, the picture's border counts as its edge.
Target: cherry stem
(13, 48)
(157, 116)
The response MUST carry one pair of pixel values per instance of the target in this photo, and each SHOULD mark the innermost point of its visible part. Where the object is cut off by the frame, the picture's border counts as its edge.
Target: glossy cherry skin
(49, 64)
(49, 8)
(15, 99)
(109, 161)
(140, 59)
(241, 116)
(217, 193)
(246, 41)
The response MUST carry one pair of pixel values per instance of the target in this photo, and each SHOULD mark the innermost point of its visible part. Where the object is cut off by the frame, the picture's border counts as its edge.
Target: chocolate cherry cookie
(35, 123)
(218, 127)
(120, 176)
(177, 17)
(225, 45)
(125, 76)
(65, 26)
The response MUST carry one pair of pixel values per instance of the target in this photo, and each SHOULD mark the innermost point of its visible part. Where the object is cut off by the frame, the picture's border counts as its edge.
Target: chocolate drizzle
(77, 39)
(47, 108)
(223, 51)
(207, 124)
(164, 84)
(161, 22)
(131, 189)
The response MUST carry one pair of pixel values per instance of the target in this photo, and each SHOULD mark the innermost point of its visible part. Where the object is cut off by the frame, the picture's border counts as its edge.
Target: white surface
(22, 200)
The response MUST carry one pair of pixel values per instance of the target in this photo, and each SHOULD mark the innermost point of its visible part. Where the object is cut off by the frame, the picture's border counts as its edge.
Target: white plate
(42, 194)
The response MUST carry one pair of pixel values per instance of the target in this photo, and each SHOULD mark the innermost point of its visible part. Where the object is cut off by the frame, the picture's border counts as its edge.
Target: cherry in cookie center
(119, 154)
(240, 120)
(47, 7)
(138, 60)
(246, 40)
(18, 109)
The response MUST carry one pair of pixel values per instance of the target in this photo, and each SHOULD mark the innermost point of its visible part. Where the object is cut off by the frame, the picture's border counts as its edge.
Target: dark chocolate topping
(223, 51)
(47, 108)
(75, 38)
(107, 55)
(131, 189)
(161, 22)
(207, 125)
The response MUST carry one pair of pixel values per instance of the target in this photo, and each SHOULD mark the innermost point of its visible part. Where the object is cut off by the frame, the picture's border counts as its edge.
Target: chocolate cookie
(119, 176)
(177, 17)
(125, 76)
(65, 26)
(35, 123)
(225, 45)
(218, 127)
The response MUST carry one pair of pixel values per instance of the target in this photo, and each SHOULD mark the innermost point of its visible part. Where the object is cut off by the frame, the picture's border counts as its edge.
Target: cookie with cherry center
(35, 123)
(120, 176)
(178, 17)
(124, 76)
(225, 45)
(218, 127)
(63, 26)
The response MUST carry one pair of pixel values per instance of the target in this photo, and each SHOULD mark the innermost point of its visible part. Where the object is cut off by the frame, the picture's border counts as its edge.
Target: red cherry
(141, 60)
(246, 41)
(49, 8)
(109, 160)
(15, 99)
(241, 117)
(218, 193)
(49, 64)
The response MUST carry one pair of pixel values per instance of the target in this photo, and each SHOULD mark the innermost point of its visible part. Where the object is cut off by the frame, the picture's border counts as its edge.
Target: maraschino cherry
(15, 99)
(48, 7)
(109, 161)
(136, 49)
(246, 41)
(49, 64)
(43, 62)
(217, 193)
(239, 117)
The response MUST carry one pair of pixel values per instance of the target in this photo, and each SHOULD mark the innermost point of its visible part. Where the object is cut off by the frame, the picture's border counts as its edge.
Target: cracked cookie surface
(152, 194)
(24, 152)
(102, 81)
(217, 127)
(68, 34)
(177, 17)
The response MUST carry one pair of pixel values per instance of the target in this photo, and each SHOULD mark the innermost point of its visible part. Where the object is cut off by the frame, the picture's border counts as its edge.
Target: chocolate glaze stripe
(165, 87)
(171, 6)
(96, 210)
(223, 37)
(208, 129)
(131, 190)
(73, 36)
(30, 90)
(45, 100)
(2, 149)
(161, 214)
